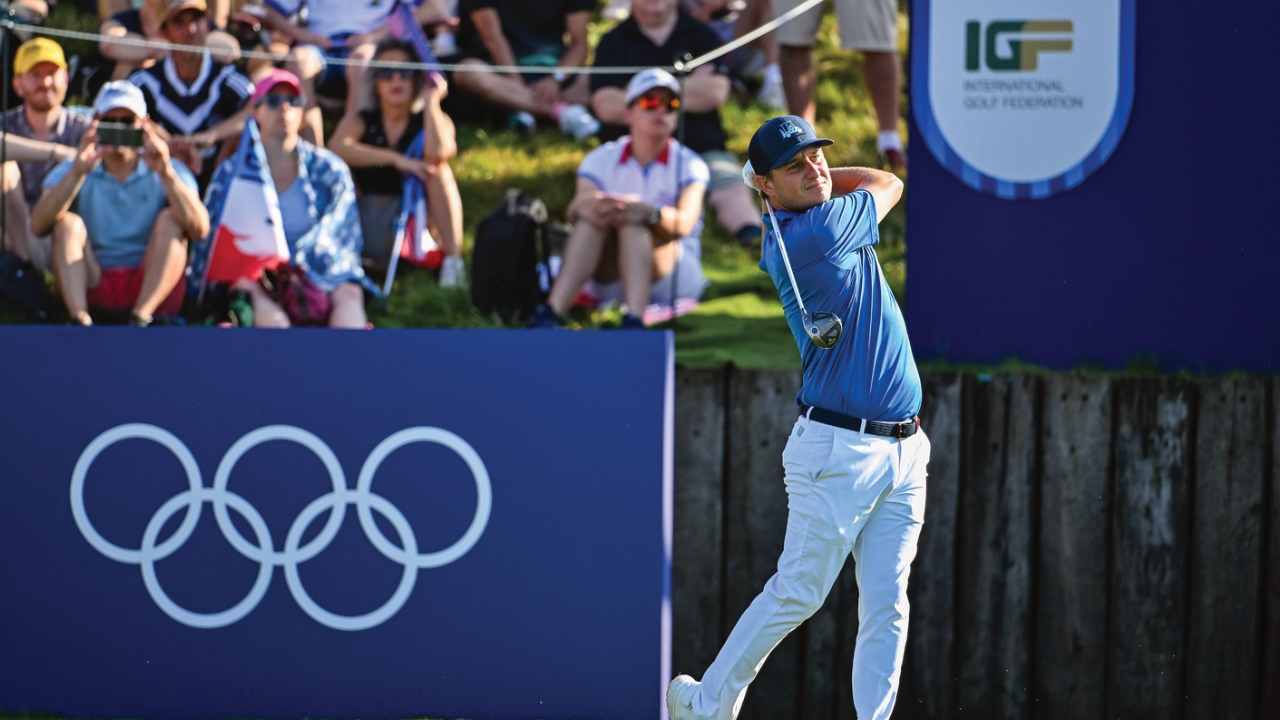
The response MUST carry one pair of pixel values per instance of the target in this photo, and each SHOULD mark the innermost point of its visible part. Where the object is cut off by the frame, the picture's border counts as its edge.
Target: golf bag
(514, 262)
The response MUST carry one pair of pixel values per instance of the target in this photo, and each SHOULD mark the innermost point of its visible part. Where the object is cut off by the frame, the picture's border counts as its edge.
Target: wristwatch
(655, 217)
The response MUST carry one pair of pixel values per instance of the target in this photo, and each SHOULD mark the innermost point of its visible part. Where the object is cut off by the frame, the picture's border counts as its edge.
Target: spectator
(133, 25)
(401, 104)
(658, 33)
(335, 30)
(870, 26)
(199, 101)
(323, 282)
(531, 34)
(120, 217)
(38, 135)
(636, 213)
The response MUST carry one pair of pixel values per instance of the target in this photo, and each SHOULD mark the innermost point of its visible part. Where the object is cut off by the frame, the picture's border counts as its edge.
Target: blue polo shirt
(870, 373)
(119, 215)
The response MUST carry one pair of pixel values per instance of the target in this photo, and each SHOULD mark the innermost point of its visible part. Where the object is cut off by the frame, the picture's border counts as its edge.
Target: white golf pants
(847, 492)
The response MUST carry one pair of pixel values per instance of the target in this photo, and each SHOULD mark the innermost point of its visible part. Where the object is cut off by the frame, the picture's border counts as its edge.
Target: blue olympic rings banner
(400, 523)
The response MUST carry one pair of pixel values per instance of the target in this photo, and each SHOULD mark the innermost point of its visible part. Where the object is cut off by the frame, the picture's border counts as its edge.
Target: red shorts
(120, 287)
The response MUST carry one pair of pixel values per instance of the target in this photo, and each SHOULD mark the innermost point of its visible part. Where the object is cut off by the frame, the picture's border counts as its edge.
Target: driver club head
(824, 328)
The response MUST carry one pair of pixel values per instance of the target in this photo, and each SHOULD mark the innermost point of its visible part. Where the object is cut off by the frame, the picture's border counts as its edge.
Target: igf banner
(401, 523)
(1022, 99)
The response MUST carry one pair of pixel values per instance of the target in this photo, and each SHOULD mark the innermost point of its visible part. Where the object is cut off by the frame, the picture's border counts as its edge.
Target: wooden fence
(1094, 547)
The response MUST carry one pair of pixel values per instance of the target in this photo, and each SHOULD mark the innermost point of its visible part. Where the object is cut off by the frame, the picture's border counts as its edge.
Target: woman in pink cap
(323, 283)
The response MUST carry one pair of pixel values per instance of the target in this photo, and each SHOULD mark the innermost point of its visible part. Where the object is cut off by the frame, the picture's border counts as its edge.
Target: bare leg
(884, 84)
(17, 222)
(446, 204)
(266, 312)
(74, 268)
(637, 261)
(163, 264)
(503, 90)
(356, 73)
(798, 77)
(735, 206)
(581, 256)
(348, 308)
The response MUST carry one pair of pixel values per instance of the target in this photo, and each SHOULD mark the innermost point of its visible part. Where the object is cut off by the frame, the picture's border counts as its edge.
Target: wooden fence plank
(762, 412)
(696, 572)
(1226, 619)
(1150, 545)
(1071, 569)
(927, 689)
(995, 526)
(1270, 706)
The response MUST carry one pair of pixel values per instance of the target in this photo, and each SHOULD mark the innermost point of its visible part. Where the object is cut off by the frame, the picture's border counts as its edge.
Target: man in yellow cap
(38, 135)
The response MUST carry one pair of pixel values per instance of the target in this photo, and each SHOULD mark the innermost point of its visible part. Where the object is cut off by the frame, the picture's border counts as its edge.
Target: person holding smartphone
(121, 212)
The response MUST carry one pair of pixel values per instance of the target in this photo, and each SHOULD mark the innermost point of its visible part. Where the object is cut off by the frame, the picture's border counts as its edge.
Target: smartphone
(119, 135)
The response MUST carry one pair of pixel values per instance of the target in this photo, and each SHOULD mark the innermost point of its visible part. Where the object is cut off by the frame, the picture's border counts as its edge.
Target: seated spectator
(399, 106)
(335, 30)
(531, 34)
(658, 33)
(130, 24)
(323, 282)
(120, 217)
(38, 135)
(636, 213)
(199, 101)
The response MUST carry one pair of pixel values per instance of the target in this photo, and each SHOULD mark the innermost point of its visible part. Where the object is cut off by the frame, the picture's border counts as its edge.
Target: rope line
(678, 68)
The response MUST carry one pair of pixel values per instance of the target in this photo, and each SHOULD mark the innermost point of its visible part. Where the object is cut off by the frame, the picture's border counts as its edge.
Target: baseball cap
(272, 79)
(120, 94)
(646, 80)
(778, 140)
(173, 7)
(36, 51)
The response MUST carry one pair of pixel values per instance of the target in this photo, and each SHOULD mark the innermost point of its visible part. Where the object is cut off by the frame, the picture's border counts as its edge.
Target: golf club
(823, 328)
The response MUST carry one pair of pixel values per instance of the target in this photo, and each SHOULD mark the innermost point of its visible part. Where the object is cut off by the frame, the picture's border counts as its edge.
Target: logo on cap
(788, 129)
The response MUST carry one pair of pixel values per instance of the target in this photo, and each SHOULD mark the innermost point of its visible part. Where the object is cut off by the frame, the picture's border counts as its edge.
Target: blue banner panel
(311, 523)
(1164, 254)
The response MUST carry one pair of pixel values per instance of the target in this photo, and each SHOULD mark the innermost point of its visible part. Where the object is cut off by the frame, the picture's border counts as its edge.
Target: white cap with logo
(646, 80)
(120, 94)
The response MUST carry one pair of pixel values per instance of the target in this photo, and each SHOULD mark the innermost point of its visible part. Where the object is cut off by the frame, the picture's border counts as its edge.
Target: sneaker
(771, 95)
(453, 271)
(893, 160)
(544, 318)
(523, 122)
(137, 320)
(680, 697)
(631, 322)
(616, 10)
(577, 121)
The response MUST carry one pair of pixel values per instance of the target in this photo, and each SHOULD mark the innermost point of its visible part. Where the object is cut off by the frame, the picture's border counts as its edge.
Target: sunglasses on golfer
(275, 101)
(386, 73)
(654, 102)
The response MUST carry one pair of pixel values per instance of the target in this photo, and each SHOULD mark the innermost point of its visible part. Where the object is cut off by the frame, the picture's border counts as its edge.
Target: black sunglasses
(275, 101)
(386, 73)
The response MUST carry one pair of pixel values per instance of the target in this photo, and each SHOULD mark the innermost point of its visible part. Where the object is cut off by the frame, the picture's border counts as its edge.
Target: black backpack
(511, 263)
(22, 287)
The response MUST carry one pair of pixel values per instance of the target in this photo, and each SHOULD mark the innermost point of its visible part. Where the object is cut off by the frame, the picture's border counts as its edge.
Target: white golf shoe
(680, 697)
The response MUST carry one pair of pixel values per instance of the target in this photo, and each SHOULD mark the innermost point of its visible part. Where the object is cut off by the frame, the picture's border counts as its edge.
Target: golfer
(855, 461)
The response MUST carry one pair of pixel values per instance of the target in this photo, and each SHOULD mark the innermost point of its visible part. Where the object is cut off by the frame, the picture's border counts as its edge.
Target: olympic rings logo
(263, 551)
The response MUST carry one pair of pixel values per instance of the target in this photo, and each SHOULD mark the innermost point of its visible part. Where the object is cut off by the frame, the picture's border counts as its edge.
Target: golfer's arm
(885, 187)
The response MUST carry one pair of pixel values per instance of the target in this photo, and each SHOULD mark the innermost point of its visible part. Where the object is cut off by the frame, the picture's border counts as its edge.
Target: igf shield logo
(1018, 99)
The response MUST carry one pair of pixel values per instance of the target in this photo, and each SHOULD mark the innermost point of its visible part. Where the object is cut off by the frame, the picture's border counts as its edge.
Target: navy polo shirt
(627, 46)
(870, 373)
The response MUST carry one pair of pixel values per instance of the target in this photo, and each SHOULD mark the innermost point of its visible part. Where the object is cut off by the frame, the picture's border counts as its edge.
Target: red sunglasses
(654, 102)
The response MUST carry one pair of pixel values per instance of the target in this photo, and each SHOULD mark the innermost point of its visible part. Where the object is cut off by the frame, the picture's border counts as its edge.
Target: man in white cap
(121, 212)
(636, 214)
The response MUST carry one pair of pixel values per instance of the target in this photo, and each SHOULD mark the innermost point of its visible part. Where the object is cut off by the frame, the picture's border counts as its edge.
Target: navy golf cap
(778, 140)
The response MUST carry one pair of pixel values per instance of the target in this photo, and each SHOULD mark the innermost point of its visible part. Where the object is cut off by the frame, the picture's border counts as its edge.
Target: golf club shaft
(785, 260)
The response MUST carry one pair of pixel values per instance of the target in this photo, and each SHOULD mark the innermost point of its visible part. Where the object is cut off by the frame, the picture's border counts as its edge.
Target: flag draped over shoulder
(404, 26)
(248, 236)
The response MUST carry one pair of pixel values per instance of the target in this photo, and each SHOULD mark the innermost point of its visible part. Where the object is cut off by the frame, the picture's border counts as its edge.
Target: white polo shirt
(616, 171)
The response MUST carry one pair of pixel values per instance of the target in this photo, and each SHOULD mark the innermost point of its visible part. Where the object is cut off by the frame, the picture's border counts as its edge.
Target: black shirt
(627, 46)
(532, 27)
(383, 179)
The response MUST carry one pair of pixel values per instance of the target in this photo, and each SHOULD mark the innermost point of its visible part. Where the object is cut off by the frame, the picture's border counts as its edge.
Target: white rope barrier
(679, 67)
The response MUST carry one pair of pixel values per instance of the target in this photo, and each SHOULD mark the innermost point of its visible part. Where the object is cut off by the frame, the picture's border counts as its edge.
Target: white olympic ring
(263, 552)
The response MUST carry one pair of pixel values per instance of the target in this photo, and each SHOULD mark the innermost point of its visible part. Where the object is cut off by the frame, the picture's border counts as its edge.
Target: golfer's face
(804, 181)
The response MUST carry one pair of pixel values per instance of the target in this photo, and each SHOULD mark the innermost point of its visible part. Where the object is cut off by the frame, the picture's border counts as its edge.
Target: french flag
(413, 240)
(249, 235)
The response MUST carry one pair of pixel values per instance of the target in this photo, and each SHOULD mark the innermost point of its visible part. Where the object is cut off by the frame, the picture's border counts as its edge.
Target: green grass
(740, 319)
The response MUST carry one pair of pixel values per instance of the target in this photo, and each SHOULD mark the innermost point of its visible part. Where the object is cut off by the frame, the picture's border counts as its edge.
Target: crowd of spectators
(120, 200)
